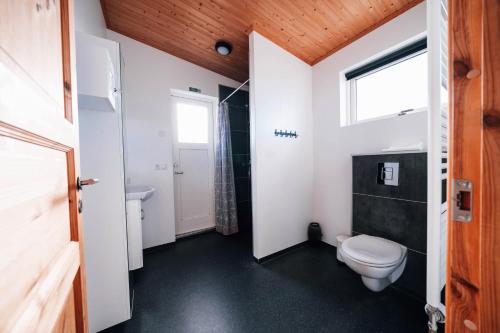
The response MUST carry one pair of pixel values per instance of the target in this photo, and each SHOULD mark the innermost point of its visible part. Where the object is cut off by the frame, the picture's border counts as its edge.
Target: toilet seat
(373, 251)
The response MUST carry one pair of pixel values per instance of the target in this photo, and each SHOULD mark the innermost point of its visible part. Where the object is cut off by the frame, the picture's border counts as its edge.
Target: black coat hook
(286, 133)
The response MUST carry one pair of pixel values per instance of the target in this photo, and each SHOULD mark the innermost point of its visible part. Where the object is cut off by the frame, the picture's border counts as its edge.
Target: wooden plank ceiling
(309, 29)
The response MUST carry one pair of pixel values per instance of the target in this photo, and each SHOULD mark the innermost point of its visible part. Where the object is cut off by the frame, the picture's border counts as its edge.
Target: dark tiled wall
(240, 141)
(398, 213)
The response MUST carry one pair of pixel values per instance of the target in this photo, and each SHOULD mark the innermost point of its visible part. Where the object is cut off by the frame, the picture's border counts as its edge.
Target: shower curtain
(226, 221)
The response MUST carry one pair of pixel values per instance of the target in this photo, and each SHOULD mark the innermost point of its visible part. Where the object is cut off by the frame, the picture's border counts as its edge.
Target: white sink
(139, 192)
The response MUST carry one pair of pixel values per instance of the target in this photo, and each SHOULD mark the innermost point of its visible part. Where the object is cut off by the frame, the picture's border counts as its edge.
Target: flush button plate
(388, 173)
(461, 200)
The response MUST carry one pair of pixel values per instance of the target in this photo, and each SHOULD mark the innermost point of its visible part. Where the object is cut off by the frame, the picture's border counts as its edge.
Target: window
(192, 123)
(392, 85)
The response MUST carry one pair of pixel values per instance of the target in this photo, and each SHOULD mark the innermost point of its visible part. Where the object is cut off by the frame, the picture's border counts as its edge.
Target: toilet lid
(372, 250)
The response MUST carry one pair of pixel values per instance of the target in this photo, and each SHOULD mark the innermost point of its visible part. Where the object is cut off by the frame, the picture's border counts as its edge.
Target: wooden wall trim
(463, 274)
(66, 58)
(490, 218)
(473, 276)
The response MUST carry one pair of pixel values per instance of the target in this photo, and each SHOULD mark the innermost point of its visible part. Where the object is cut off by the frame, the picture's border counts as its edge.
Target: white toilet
(379, 261)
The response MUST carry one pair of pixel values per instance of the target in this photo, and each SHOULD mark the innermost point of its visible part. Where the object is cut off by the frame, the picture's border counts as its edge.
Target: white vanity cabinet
(134, 234)
(136, 195)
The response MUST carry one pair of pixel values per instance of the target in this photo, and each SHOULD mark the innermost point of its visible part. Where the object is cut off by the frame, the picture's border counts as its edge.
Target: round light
(223, 50)
(223, 47)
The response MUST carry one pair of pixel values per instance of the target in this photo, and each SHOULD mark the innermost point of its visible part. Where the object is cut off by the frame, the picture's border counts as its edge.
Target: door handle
(85, 182)
(178, 172)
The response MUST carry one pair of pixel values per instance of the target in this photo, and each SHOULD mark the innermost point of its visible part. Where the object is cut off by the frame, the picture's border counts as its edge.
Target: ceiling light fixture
(223, 48)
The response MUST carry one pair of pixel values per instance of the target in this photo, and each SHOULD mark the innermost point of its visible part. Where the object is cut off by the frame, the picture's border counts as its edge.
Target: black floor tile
(211, 283)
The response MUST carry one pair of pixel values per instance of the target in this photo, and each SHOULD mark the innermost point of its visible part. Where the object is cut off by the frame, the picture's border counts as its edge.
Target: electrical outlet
(161, 166)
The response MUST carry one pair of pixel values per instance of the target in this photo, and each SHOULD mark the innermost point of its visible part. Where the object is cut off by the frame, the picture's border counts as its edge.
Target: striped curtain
(226, 221)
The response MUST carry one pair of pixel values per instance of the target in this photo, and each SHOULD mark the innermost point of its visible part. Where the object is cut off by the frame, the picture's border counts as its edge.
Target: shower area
(239, 130)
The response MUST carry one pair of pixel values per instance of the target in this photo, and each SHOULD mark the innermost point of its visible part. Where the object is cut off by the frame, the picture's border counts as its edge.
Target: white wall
(89, 17)
(333, 144)
(282, 168)
(147, 77)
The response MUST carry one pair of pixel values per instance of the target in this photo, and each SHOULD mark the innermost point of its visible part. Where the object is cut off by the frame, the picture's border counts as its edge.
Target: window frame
(351, 98)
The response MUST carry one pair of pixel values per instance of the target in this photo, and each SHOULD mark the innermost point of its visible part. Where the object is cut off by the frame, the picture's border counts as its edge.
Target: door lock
(461, 200)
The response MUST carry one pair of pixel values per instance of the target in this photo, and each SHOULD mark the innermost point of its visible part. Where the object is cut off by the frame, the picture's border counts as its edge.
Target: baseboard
(194, 233)
(178, 238)
(322, 244)
(329, 247)
(407, 292)
(157, 248)
(281, 253)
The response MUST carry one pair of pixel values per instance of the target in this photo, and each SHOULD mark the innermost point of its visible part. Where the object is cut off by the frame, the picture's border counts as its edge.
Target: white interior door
(193, 165)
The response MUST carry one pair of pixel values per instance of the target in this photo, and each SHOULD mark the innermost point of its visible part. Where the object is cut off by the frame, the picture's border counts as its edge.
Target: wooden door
(473, 276)
(42, 284)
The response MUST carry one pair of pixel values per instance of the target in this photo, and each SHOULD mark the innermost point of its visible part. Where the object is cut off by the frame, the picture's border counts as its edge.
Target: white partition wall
(282, 167)
(437, 23)
(105, 229)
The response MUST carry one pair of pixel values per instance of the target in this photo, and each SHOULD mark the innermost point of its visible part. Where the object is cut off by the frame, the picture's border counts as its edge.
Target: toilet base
(380, 284)
(375, 284)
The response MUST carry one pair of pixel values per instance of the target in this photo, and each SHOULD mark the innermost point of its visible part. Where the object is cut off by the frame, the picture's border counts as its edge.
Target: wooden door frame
(71, 111)
(473, 274)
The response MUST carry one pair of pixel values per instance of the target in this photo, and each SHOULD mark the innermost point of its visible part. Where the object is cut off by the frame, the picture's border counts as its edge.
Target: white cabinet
(134, 234)
(101, 156)
(97, 88)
